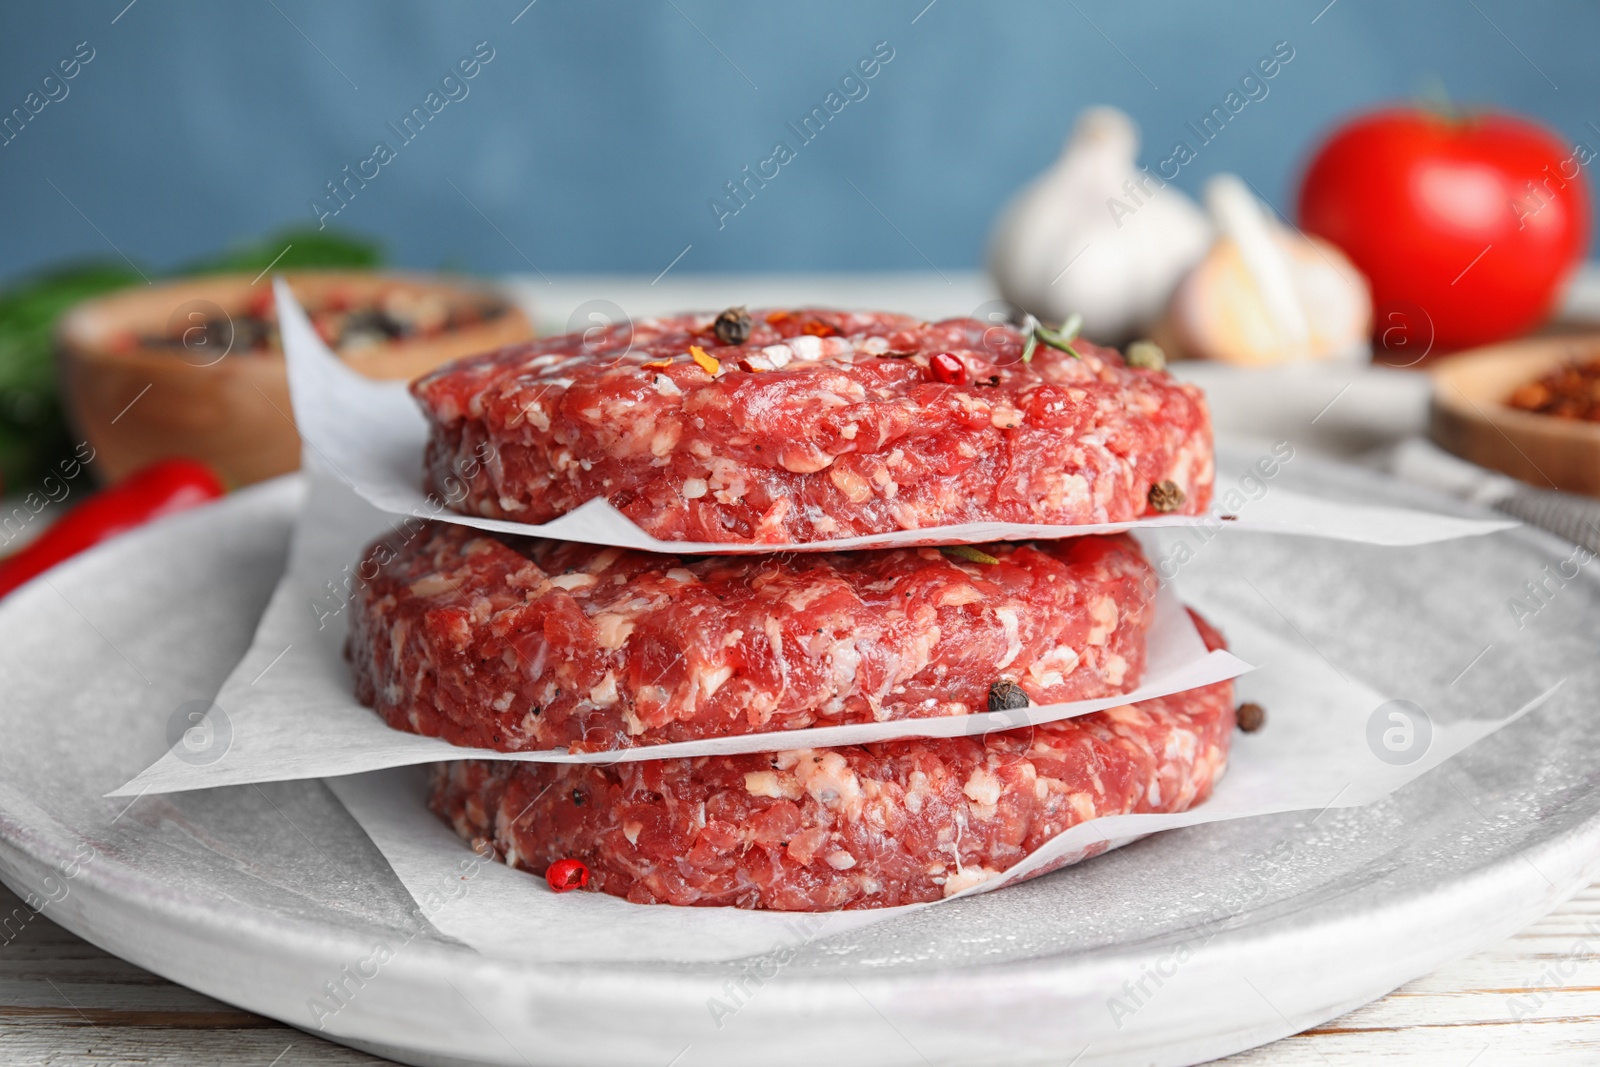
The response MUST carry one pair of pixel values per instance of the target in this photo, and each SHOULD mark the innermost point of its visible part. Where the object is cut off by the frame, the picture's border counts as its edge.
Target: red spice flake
(710, 364)
(1568, 392)
(818, 328)
(778, 318)
(947, 368)
(567, 875)
(656, 363)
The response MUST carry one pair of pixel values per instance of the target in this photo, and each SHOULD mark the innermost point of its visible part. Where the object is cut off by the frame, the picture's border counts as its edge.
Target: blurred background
(600, 130)
(1203, 181)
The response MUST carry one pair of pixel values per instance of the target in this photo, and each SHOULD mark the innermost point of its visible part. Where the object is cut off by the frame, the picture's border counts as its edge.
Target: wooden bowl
(136, 401)
(1469, 416)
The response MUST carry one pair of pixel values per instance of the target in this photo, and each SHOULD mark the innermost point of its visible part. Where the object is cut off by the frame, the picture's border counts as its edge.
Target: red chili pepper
(565, 875)
(947, 368)
(163, 488)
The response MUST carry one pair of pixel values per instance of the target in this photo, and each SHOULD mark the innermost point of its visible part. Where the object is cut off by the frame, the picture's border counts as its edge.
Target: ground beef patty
(822, 424)
(517, 643)
(861, 826)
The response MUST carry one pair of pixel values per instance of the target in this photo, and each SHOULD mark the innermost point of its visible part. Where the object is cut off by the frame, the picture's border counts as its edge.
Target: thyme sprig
(1060, 340)
(969, 553)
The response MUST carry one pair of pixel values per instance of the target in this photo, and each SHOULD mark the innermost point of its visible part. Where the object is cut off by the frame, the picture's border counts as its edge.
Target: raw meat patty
(518, 643)
(823, 424)
(862, 826)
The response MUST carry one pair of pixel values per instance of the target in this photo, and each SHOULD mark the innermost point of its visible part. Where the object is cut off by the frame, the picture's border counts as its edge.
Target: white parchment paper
(372, 434)
(288, 710)
(1313, 754)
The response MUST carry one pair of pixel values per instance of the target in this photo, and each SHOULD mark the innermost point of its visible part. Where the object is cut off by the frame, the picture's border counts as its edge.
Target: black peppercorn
(1007, 696)
(1250, 717)
(732, 326)
(579, 798)
(1165, 497)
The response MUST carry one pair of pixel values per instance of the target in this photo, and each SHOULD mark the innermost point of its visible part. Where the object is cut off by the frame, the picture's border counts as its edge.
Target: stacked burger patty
(790, 427)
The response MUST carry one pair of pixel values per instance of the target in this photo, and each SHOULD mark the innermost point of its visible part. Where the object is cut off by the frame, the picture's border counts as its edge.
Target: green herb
(968, 553)
(295, 248)
(33, 432)
(1058, 339)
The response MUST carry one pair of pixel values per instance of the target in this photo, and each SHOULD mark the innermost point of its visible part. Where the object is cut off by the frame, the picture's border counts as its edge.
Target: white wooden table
(65, 1003)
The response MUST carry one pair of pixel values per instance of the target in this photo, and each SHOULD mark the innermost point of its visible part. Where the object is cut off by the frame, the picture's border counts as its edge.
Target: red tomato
(1477, 221)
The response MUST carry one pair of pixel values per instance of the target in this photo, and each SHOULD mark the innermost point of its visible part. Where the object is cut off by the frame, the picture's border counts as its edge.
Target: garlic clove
(1097, 235)
(1265, 294)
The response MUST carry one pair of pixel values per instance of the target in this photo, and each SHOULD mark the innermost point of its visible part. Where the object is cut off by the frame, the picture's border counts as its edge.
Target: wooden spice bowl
(136, 399)
(1469, 415)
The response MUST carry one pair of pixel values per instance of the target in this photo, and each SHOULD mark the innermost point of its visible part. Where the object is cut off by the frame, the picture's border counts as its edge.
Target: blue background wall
(595, 137)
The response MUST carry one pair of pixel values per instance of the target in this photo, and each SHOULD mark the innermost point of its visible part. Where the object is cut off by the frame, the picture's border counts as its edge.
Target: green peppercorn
(1146, 355)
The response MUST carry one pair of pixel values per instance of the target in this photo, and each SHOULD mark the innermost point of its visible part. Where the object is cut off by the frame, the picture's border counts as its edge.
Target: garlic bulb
(1097, 235)
(1266, 294)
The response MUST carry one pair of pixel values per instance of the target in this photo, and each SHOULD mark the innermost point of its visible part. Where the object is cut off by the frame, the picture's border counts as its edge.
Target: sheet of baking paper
(1313, 754)
(288, 710)
(372, 434)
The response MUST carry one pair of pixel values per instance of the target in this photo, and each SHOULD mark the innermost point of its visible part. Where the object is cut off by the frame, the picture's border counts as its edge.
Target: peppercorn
(1166, 496)
(732, 326)
(579, 798)
(1007, 696)
(947, 368)
(565, 875)
(1250, 717)
(1146, 355)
